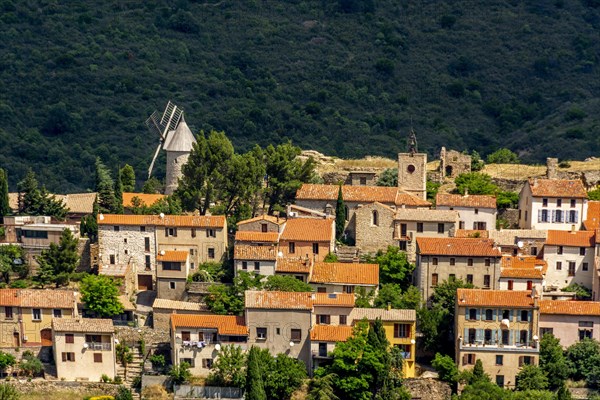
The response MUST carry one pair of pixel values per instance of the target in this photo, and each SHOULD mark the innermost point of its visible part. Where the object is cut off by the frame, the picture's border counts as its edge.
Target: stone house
(477, 212)
(498, 327)
(453, 163)
(344, 277)
(197, 339)
(26, 315)
(552, 204)
(522, 273)
(570, 321)
(570, 257)
(308, 237)
(596, 270)
(171, 274)
(255, 258)
(375, 227)
(124, 274)
(262, 223)
(476, 261)
(162, 309)
(84, 349)
(280, 322)
(519, 242)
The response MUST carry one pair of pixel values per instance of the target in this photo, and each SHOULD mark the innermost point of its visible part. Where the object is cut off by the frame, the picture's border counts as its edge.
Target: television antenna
(161, 125)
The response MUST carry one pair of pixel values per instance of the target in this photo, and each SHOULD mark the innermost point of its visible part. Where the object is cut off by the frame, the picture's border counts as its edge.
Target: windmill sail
(162, 125)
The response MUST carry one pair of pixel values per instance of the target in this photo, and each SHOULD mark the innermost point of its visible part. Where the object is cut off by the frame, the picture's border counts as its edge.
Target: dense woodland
(345, 77)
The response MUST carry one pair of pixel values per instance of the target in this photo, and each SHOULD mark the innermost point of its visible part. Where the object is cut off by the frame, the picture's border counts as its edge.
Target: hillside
(346, 78)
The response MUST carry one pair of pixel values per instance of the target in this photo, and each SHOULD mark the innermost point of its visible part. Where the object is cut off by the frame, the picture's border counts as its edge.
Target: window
(488, 336)
(116, 228)
(526, 215)
(401, 330)
(171, 266)
(529, 285)
(278, 331)
(185, 335)
(36, 314)
(192, 251)
(477, 211)
(57, 313)
(533, 251)
(544, 331)
(207, 363)
(525, 360)
(523, 334)
(257, 265)
(524, 315)
(315, 247)
(68, 357)
(125, 240)
(470, 262)
(558, 216)
(573, 203)
(486, 281)
(584, 266)
(488, 262)
(142, 229)
(469, 359)
(193, 232)
(470, 278)
(419, 227)
(146, 244)
(126, 251)
(322, 349)
(544, 202)
(558, 202)
(211, 252)
(291, 247)
(572, 216)
(346, 213)
(296, 335)
(452, 261)
(244, 265)
(499, 360)
(343, 320)
(8, 312)
(402, 245)
(261, 333)
(111, 259)
(571, 268)
(211, 233)
(472, 314)
(97, 357)
(500, 380)
(505, 337)
(375, 219)
(188, 361)
(171, 232)
(506, 314)
(582, 251)
(558, 266)
(69, 338)
(451, 277)
(434, 280)
(440, 228)
(510, 284)
(348, 289)
(472, 335)
(363, 181)
(434, 261)
(543, 216)
(323, 319)
(172, 285)
(585, 334)
(489, 315)
(403, 230)
(321, 290)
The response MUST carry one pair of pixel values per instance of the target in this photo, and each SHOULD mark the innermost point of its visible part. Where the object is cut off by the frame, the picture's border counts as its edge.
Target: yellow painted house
(400, 329)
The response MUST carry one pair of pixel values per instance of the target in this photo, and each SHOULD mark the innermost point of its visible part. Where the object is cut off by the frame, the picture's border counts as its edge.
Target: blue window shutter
(477, 314)
(467, 313)
(493, 314)
(479, 334)
(518, 316)
(529, 316)
(510, 315)
(466, 335)
(511, 337)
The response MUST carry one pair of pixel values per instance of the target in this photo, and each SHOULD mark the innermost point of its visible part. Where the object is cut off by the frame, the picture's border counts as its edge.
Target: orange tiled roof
(521, 262)
(568, 238)
(471, 233)
(330, 333)
(39, 298)
(333, 299)
(278, 300)
(92, 325)
(145, 198)
(557, 188)
(172, 256)
(225, 324)
(294, 265)
(248, 252)
(457, 247)
(308, 230)
(195, 221)
(9, 297)
(593, 216)
(391, 315)
(257, 237)
(264, 217)
(344, 273)
(568, 307)
(79, 203)
(522, 273)
(496, 298)
(470, 200)
(365, 194)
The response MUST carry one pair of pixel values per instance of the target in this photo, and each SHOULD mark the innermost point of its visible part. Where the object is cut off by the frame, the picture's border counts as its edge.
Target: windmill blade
(170, 118)
(153, 124)
(154, 159)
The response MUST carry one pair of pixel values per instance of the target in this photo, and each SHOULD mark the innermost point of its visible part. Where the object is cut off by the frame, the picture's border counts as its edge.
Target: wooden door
(46, 336)
(144, 282)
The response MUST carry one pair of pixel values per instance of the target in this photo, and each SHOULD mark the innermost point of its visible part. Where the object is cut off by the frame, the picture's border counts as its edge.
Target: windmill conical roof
(181, 139)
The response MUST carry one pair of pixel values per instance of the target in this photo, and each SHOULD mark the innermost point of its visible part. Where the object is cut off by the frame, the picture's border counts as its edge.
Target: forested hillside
(345, 77)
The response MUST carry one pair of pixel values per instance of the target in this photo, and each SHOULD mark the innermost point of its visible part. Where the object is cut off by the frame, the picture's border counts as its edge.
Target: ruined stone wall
(428, 389)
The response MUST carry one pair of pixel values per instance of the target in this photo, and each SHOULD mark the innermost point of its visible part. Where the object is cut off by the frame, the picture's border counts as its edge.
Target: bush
(564, 164)
(118, 380)
(503, 156)
(157, 360)
(19, 284)
(180, 373)
(105, 379)
(124, 394)
(9, 392)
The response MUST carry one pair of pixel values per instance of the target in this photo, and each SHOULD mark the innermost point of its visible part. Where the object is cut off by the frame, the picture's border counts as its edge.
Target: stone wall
(453, 163)
(370, 237)
(428, 389)
(54, 388)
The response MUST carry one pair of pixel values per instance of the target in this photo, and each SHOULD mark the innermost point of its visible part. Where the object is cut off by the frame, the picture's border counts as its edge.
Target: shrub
(564, 164)
(105, 379)
(118, 380)
(157, 360)
(8, 392)
(124, 394)
(503, 156)
(180, 373)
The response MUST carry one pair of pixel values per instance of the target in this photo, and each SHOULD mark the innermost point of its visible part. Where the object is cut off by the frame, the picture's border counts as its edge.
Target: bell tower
(412, 169)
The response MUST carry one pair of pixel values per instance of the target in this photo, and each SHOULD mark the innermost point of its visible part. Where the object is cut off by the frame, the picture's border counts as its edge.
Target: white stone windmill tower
(176, 139)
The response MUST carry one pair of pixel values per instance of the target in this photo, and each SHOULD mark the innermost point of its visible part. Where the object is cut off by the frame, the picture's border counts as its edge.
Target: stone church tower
(178, 146)
(412, 169)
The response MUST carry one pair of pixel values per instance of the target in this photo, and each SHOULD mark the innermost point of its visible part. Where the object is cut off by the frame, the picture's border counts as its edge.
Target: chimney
(466, 192)
(573, 229)
(534, 181)
(389, 306)
(534, 296)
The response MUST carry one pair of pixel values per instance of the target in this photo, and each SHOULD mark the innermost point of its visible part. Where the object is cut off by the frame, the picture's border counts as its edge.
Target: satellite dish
(101, 217)
(505, 324)
(217, 347)
(520, 244)
(162, 125)
(17, 261)
(291, 344)
(162, 215)
(85, 345)
(280, 254)
(162, 252)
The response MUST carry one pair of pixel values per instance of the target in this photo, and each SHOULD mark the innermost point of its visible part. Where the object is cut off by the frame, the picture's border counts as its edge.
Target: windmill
(162, 126)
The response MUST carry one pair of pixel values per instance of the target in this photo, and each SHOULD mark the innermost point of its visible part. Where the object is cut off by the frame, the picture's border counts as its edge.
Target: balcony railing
(480, 345)
(98, 346)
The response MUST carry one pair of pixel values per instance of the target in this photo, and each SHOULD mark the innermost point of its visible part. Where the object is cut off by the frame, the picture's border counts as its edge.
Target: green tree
(152, 186)
(581, 292)
(4, 203)
(594, 194)
(392, 294)
(364, 297)
(285, 378)
(432, 189)
(503, 156)
(484, 390)
(531, 377)
(9, 392)
(229, 299)
(393, 266)
(322, 388)
(475, 183)
(506, 200)
(389, 177)
(107, 203)
(331, 258)
(553, 362)
(6, 360)
(242, 181)
(12, 260)
(30, 365)
(128, 178)
(58, 262)
(477, 163)
(124, 394)
(118, 194)
(285, 283)
(592, 379)
(34, 200)
(479, 373)
(180, 373)
(583, 357)
(446, 369)
(229, 368)
(340, 215)
(100, 294)
(255, 389)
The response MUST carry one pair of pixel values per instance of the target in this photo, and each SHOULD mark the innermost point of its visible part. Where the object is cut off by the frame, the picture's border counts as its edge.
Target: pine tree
(4, 203)
(128, 178)
(58, 263)
(118, 194)
(255, 389)
(105, 188)
(29, 195)
(340, 215)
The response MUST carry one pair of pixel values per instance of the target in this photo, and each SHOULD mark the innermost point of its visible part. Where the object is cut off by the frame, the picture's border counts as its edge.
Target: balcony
(492, 346)
(98, 346)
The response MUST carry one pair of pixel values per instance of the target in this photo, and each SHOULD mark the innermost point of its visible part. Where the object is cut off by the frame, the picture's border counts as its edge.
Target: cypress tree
(255, 387)
(128, 178)
(340, 215)
(118, 194)
(105, 188)
(4, 203)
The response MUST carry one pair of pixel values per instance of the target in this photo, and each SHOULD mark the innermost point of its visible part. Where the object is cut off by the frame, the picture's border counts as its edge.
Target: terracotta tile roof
(146, 199)
(127, 304)
(46, 298)
(471, 233)
(330, 333)
(248, 252)
(494, 298)
(293, 265)
(557, 188)
(345, 273)
(470, 200)
(198, 221)
(279, 300)
(77, 203)
(364, 194)
(9, 297)
(510, 237)
(568, 238)
(308, 230)
(264, 217)
(426, 215)
(257, 237)
(118, 270)
(593, 216)
(172, 256)
(333, 299)
(225, 324)
(83, 325)
(521, 273)
(521, 262)
(178, 305)
(567, 307)
(457, 247)
(392, 315)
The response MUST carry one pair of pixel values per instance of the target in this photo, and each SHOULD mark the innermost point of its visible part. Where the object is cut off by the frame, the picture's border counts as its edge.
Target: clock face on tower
(410, 169)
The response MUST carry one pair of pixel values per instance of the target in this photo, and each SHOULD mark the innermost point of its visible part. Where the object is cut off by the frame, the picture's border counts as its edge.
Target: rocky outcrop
(428, 389)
